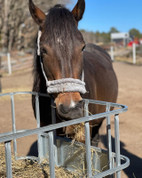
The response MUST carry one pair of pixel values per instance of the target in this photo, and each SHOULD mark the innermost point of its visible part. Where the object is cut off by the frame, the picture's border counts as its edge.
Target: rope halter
(64, 84)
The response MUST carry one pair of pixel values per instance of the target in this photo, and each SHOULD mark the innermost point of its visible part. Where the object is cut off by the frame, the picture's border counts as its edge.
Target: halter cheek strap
(61, 85)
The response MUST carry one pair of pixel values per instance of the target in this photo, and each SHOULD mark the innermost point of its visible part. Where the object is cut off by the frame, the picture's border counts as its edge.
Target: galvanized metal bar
(51, 154)
(60, 125)
(116, 169)
(117, 145)
(25, 92)
(87, 142)
(39, 141)
(8, 159)
(13, 125)
(109, 143)
(39, 131)
(90, 101)
(37, 110)
(88, 149)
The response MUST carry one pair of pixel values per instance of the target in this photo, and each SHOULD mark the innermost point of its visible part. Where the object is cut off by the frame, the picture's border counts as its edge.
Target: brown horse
(68, 69)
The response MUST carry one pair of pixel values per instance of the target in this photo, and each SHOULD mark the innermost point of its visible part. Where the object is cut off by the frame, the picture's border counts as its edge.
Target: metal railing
(116, 167)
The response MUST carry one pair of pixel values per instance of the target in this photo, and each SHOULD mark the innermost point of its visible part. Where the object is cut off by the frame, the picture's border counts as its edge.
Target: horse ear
(36, 13)
(78, 10)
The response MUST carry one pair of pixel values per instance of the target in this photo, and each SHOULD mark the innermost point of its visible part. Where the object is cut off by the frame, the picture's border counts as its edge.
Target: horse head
(60, 47)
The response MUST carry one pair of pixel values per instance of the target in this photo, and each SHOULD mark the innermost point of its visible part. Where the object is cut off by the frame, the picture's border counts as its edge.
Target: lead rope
(61, 85)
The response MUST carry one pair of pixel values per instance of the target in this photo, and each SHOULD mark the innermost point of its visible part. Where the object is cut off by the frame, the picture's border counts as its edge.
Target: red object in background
(130, 44)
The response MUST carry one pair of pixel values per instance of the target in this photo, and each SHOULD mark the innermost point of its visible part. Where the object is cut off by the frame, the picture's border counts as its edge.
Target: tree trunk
(17, 29)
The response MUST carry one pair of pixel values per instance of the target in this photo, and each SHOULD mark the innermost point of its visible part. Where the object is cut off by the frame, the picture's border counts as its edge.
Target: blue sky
(101, 15)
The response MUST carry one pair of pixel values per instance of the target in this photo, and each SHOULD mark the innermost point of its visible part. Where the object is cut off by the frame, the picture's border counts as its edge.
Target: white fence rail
(130, 54)
(9, 64)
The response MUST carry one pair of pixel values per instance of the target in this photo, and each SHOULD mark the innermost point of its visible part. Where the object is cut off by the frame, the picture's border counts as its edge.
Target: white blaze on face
(72, 104)
(60, 41)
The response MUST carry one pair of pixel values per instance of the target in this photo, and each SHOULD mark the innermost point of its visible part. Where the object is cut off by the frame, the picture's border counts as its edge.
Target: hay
(28, 168)
(77, 132)
(75, 159)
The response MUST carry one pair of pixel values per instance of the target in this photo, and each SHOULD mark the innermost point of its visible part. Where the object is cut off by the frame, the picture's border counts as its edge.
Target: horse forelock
(61, 34)
(59, 23)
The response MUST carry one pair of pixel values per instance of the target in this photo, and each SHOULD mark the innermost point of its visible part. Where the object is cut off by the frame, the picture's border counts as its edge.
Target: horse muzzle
(69, 105)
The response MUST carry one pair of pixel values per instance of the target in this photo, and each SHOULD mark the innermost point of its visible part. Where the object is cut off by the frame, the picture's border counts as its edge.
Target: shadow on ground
(133, 171)
(135, 168)
(33, 150)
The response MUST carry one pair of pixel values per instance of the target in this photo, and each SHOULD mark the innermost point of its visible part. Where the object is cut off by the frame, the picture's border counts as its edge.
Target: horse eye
(43, 51)
(83, 48)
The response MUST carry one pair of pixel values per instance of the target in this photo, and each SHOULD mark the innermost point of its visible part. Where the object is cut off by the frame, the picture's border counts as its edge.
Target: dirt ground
(130, 94)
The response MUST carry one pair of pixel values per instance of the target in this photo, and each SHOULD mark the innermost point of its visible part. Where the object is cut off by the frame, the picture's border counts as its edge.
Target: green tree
(97, 34)
(106, 37)
(135, 33)
(113, 30)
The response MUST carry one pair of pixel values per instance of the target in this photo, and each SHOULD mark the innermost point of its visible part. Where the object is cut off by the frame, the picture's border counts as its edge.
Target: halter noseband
(61, 85)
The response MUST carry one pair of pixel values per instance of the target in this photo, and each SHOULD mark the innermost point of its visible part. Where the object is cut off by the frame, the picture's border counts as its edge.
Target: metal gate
(48, 143)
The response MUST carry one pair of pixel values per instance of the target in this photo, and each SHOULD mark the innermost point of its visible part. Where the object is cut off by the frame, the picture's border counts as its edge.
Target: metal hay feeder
(58, 150)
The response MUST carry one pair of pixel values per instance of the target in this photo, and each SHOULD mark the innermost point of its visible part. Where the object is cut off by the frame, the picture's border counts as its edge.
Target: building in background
(121, 39)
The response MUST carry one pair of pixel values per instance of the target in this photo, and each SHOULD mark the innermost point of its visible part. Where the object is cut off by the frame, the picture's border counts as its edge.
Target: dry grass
(129, 60)
(28, 168)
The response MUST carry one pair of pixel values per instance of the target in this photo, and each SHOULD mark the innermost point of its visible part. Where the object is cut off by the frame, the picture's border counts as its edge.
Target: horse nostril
(80, 104)
(64, 109)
